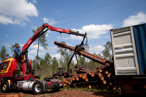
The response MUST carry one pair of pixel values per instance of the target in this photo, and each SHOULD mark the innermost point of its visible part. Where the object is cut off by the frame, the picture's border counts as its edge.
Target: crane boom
(43, 29)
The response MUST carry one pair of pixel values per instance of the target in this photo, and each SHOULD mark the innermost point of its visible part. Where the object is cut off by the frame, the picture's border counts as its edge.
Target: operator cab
(61, 71)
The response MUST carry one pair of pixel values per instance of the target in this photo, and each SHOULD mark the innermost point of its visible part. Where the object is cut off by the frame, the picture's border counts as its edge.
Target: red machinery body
(8, 67)
(17, 73)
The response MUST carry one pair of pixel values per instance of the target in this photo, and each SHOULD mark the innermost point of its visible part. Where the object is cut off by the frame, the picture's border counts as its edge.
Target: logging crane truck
(16, 72)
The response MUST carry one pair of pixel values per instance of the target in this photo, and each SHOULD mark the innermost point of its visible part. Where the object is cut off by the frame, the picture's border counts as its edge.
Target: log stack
(102, 77)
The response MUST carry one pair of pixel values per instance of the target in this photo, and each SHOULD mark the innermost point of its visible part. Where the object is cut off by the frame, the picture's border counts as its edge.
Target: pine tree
(41, 40)
(54, 64)
(106, 52)
(62, 52)
(3, 53)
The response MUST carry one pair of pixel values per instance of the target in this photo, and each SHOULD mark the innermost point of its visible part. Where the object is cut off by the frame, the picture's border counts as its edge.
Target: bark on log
(83, 53)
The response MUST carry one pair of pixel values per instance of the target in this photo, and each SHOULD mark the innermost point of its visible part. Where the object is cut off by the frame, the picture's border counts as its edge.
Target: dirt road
(68, 93)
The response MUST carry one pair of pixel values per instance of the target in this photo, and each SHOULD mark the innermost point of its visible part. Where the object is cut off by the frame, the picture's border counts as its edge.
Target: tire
(4, 87)
(57, 77)
(38, 87)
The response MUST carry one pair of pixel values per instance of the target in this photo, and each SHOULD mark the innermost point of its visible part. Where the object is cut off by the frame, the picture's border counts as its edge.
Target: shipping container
(129, 54)
(124, 51)
(140, 41)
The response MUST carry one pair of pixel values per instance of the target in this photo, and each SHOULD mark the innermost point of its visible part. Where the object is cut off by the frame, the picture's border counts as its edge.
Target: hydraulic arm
(43, 29)
(40, 32)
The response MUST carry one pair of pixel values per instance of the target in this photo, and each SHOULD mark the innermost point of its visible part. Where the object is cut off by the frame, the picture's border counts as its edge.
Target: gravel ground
(68, 93)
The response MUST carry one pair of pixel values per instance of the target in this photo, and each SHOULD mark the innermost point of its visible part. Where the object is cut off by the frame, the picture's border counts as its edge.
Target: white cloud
(96, 48)
(56, 55)
(5, 20)
(34, 1)
(107, 36)
(47, 35)
(58, 37)
(33, 50)
(50, 21)
(31, 57)
(34, 27)
(16, 11)
(135, 19)
(6, 35)
(93, 31)
(34, 46)
(8, 20)
(52, 49)
(6, 44)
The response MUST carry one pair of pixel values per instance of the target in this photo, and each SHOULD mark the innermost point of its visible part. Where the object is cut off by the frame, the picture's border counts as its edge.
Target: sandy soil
(68, 93)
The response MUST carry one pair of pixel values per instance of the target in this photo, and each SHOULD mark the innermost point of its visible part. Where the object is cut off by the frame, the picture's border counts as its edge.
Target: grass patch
(42, 77)
(87, 89)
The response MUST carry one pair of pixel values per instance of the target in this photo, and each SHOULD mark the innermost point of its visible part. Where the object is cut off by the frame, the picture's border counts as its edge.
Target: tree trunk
(61, 58)
(37, 59)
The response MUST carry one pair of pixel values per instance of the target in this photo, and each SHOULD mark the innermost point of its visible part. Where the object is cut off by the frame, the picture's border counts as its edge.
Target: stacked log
(102, 77)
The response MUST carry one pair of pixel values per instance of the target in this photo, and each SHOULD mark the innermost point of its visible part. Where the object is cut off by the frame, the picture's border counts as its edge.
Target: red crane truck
(16, 73)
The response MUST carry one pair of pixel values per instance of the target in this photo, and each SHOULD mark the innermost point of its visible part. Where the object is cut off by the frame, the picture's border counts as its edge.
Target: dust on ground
(68, 93)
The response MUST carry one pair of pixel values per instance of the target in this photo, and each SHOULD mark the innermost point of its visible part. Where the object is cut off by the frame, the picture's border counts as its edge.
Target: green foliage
(92, 64)
(48, 65)
(107, 50)
(43, 65)
(62, 51)
(47, 59)
(42, 39)
(87, 47)
(54, 65)
(85, 88)
(34, 62)
(82, 60)
(67, 57)
(3, 53)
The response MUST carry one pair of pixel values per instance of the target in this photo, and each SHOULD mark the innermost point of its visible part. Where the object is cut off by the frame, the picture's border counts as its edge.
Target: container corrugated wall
(140, 41)
(124, 51)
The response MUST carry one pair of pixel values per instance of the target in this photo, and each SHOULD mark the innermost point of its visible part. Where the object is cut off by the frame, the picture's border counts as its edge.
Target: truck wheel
(57, 77)
(37, 87)
(5, 87)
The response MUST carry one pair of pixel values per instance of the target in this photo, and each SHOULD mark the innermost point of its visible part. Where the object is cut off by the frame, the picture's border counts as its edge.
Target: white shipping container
(124, 51)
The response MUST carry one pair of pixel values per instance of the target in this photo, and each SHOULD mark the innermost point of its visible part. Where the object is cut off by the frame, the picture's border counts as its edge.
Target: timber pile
(102, 77)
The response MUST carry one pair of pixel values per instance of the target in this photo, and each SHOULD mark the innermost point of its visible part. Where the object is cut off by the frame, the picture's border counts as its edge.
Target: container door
(140, 41)
(124, 51)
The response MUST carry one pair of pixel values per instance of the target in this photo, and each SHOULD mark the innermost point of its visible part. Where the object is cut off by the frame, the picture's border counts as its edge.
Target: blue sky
(96, 17)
